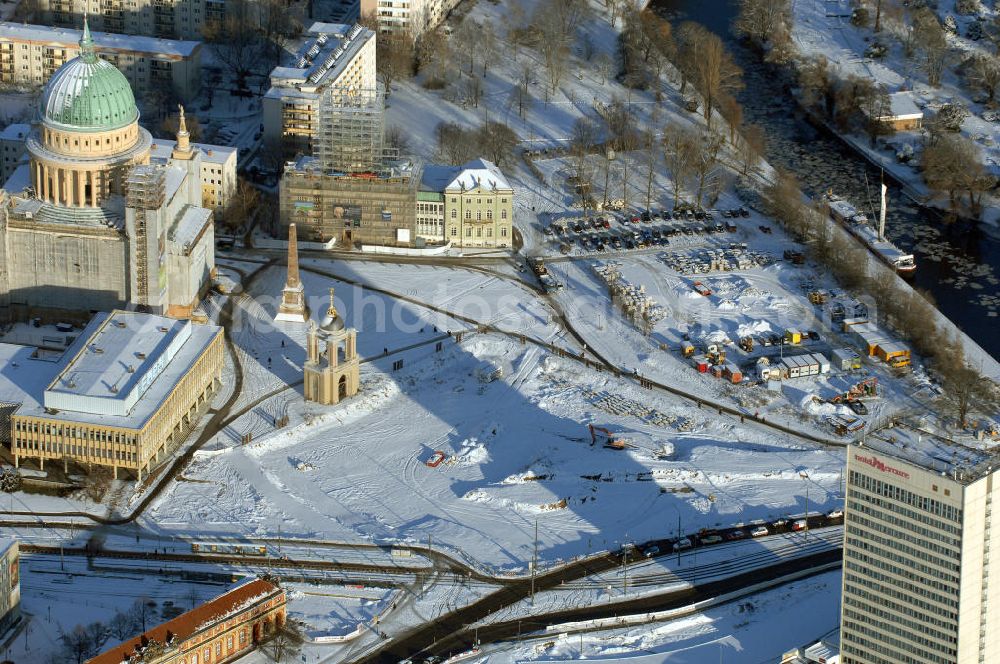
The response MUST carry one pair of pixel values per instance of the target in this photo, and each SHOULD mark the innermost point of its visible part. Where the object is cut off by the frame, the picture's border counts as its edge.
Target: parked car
(682, 543)
(835, 514)
(759, 531)
(735, 535)
(779, 523)
(710, 539)
(800, 524)
(858, 407)
(651, 551)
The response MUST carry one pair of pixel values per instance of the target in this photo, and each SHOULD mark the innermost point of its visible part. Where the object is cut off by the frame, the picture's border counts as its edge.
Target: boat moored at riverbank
(856, 223)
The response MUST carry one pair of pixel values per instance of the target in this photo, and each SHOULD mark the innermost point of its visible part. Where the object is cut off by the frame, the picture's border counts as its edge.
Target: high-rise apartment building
(338, 58)
(180, 19)
(407, 16)
(918, 556)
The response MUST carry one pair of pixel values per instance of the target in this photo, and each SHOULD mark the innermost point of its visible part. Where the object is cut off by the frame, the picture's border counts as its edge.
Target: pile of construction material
(638, 307)
(705, 261)
(619, 405)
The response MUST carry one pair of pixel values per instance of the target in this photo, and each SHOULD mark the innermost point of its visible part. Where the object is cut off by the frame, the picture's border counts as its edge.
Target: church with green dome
(91, 222)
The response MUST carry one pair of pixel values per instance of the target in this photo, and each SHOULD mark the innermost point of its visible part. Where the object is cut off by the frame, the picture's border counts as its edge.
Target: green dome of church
(88, 93)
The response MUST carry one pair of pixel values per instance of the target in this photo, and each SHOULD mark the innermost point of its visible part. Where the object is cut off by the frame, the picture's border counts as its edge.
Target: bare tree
(930, 35)
(554, 42)
(497, 141)
(581, 144)
(604, 64)
(396, 57)
(235, 40)
(488, 45)
(143, 611)
(286, 641)
(398, 138)
(97, 483)
(680, 150)
(876, 107)
(963, 385)
(983, 71)
(620, 121)
(121, 626)
(760, 20)
(732, 113)
(953, 163)
(467, 40)
(750, 146)
(688, 39)
(715, 73)
(277, 27)
(817, 80)
(453, 143)
(77, 644)
(241, 207)
(434, 54)
(651, 152)
(706, 164)
(98, 634)
(521, 94)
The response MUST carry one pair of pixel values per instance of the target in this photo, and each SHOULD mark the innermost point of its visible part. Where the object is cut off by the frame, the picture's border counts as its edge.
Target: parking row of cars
(625, 238)
(708, 537)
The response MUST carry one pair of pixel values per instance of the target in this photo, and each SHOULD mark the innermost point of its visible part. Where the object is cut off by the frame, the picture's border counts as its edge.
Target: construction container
(765, 371)
(868, 337)
(845, 359)
(793, 336)
(701, 364)
(687, 349)
(733, 373)
(717, 370)
(824, 364)
(891, 350)
(848, 322)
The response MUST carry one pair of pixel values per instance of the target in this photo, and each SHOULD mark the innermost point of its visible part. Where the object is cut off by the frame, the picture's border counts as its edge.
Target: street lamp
(805, 476)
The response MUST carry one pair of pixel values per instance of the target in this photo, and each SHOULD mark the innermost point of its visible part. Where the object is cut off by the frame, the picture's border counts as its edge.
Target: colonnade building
(123, 396)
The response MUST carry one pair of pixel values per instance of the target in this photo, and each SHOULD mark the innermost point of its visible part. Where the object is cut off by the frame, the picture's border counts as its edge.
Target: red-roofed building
(216, 632)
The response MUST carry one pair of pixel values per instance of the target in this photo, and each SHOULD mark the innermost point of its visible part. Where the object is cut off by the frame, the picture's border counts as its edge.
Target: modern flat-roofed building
(31, 54)
(221, 630)
(918, 556)
(336, 57)
(218, 169)
(123, 395)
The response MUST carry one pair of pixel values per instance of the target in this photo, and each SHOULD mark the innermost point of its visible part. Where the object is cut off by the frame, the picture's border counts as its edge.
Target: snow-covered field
(517, 449)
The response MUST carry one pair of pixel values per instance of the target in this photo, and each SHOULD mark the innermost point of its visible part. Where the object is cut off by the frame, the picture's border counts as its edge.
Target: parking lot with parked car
(640, 230)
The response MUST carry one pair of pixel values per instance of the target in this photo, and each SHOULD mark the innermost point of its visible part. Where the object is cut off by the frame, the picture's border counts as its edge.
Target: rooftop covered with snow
(105, 41)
